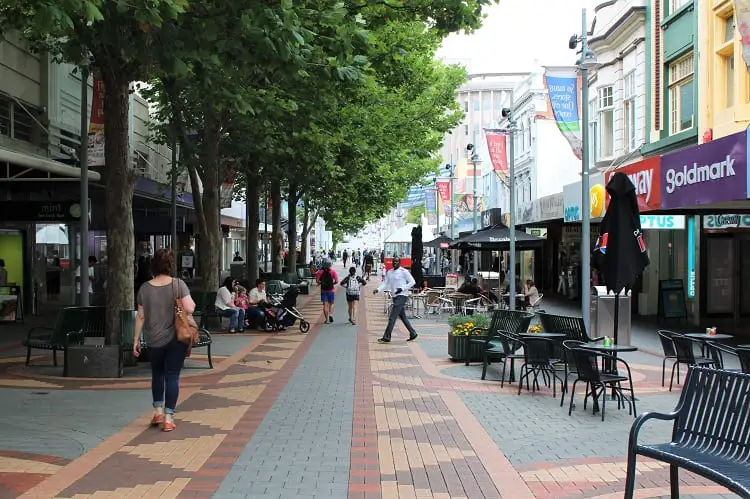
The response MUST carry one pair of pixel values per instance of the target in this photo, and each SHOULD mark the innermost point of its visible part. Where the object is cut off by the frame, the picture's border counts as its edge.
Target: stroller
(283, 312)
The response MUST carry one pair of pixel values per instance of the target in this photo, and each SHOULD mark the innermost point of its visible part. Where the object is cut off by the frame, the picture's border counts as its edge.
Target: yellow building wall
(724, 91)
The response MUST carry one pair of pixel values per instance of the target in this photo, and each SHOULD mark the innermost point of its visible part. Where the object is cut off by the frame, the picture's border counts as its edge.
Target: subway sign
(662, 222)
(718, 223)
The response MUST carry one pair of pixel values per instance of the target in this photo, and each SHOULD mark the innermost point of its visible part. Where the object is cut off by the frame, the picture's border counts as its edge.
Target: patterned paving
(335, 414)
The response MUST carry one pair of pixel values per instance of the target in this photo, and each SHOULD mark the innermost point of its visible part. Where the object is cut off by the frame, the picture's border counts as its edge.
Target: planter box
(457, 347)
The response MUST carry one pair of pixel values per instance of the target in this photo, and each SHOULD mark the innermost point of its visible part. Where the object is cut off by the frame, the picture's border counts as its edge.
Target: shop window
(681, 94)
(676, 4)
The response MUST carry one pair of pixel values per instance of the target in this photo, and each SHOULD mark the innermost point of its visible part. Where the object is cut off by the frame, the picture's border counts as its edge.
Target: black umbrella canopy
(437, 242)
(416, 254)
(620, 253)
(497, 237)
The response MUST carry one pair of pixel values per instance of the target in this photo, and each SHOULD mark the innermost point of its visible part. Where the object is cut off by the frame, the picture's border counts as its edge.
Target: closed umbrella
(416, 254)
(52, 234)
(620, 252)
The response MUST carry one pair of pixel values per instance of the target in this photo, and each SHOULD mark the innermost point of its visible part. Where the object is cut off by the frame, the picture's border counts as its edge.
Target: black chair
(501, 346)
(667, 345)
(569, 364)
(537, 359)
(743, 353)
(597, 382)
(685, 355)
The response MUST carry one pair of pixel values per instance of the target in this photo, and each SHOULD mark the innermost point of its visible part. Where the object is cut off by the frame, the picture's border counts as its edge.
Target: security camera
(505, 113)
(470, 147)
(573, 42)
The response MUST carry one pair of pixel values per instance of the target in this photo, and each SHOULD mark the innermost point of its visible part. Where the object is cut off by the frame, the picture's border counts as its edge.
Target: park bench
(127, 334)
(710, 434)
(73, 324)
(205, 307)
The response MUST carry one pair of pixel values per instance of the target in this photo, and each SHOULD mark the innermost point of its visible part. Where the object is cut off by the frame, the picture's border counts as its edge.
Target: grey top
(158, 310)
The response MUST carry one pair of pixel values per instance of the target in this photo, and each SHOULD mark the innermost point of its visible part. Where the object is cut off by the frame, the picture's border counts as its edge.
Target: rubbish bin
(603, 315)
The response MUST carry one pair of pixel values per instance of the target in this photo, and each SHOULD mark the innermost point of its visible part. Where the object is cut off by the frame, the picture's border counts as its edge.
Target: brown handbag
(184, 324)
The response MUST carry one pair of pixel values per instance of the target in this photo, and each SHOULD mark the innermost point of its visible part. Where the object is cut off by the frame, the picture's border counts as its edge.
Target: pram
(283, 312)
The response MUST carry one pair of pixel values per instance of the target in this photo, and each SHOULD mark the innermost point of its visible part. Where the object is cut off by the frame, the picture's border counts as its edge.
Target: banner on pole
(96, 125)
(742, 14)
(444, 189)
(496, 145)
(430, 202)
(562, 89)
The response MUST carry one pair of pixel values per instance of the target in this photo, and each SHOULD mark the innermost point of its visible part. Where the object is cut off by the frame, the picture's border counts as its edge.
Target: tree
(122, 39)
(414, 215)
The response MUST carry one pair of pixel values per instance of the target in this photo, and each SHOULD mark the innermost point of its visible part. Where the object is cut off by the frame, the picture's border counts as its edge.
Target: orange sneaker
(167, 426)
(157, 419)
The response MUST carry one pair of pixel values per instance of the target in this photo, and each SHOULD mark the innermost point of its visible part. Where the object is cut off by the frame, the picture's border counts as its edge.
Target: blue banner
(430, 201)
(414, 198)
(562, 90)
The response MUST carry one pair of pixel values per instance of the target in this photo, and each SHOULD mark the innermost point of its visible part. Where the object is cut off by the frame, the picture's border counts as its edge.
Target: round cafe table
(707, 338)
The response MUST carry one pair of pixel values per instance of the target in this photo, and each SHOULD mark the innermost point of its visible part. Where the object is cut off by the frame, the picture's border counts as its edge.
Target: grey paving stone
(302, 447)
(65, 423)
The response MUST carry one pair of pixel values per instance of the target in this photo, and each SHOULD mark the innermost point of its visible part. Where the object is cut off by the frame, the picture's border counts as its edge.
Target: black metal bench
(127, 334)
(73, 324)
(710, 435)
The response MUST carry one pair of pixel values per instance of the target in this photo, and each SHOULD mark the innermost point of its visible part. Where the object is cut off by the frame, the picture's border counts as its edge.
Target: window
(528, 134)
(23, 124)
(606, 122)
(466, 130)
(593, 128)
(476, 102)
(628, 86)
(725, 61)
(496, 101)
(676, 4)
(466, 105)
(681, 97)
(5, 118)
(486, 104)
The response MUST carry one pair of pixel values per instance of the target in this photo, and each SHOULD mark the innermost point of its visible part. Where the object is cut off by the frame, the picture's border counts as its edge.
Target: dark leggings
(166, 363)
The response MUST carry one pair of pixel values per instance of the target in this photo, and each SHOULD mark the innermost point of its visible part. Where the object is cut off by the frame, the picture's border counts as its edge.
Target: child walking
(352, 283)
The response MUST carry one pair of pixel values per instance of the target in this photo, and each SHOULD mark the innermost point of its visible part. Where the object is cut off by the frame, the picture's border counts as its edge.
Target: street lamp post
(476, 161)
(586, 62)
(84, 159)
(511, 130)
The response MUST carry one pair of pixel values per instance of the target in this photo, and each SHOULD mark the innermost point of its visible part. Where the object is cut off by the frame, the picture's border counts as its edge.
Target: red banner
(96, 125)
(496, 146)
(444, 188)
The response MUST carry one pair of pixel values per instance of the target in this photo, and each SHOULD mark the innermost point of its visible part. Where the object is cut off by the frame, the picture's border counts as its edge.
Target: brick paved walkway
(328, 414)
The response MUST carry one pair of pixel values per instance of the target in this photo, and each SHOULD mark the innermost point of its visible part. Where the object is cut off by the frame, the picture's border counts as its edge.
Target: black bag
(326, 280)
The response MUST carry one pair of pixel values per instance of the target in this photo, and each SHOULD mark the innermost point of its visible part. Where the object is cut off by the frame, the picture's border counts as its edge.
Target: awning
(43, 164)
(439, 242)
(497, 237)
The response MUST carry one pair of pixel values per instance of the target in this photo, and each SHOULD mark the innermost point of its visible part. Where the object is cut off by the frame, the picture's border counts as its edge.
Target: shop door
(720, 273)
(744, 277)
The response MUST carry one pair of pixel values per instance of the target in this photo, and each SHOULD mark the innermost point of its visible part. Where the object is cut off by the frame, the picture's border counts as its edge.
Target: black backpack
(326, 280)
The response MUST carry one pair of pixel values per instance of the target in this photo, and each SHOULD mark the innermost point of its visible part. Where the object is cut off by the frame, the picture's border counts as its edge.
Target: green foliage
(414, 215)
(463, 325)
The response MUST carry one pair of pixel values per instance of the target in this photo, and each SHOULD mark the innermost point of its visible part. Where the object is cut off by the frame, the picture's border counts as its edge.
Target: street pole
(585, 196)
(265, 232)
(512, 173)
(474, 161)
(174, 199)
(84, 158)
(453, 213)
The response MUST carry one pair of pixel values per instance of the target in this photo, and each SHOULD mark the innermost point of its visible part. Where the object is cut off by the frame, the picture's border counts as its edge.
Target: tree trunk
(276, 242)
(292, 230)
(209, 254)
(118, 202)
(303, 236)
(252, 219)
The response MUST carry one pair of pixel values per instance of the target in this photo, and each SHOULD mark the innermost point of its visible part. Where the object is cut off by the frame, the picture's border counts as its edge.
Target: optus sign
(645, 176)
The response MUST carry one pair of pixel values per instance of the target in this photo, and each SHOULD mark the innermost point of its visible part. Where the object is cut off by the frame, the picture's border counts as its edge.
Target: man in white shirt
(398, 281)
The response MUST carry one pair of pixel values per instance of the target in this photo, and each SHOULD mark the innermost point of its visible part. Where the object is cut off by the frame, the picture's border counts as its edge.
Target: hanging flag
(95, 153)
(742, 14)
(444, 188)
(430, 202)
(496, 145)
(562, 89)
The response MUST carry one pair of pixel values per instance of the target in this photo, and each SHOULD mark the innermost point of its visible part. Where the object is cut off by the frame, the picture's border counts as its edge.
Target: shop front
(709, 183)
(542, 218)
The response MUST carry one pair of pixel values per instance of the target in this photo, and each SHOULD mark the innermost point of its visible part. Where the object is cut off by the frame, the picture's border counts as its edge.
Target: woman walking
(352, 283)
(156, 311)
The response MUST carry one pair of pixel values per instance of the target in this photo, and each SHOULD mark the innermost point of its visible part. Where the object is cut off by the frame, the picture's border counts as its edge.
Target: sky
(519, 35)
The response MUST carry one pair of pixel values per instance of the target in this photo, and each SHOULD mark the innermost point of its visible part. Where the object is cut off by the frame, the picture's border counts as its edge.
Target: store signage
(691, 257)
(708, 173)
(645, 177)
(537, 232)
(40, 211)
(572, 199)
(662, 222)
(725, 222)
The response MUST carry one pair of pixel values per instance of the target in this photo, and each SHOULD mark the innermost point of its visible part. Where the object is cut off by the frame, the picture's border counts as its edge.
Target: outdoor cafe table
(458, 300)
(608, 366)
(706, 338)
(550, 336)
